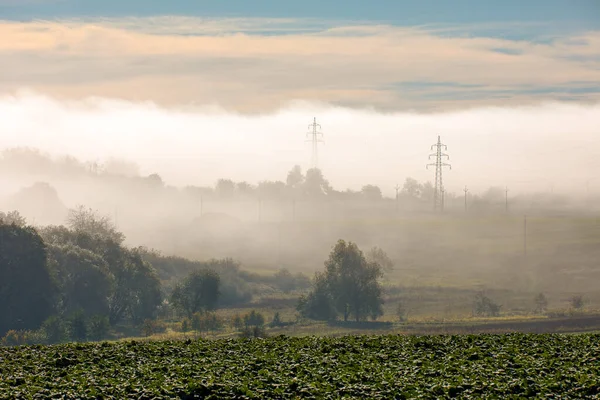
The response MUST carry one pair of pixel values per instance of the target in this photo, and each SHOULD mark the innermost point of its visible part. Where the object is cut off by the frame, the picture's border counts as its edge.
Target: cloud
(527, 148)
(260, 65)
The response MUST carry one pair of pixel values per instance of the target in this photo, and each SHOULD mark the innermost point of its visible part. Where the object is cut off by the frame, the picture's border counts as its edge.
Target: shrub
(153, 326)
(277, 322)
(98, 327)
(55, 330)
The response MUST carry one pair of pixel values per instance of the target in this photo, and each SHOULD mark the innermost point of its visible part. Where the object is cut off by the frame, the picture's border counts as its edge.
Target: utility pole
(315, 140)
(438, 195)
(397, 187)
(466, 191)
(506, 199)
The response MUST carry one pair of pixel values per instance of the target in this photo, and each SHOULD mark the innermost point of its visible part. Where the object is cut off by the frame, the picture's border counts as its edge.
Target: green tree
(318, 303)
(350, 286)
(12, 218)
(98, 327)
(56, 329)
(77, 326)
(199, 291)
(27, 288)
(276, 322)
(485, 307)
(353, 282)
(85, 279)
(86, 220)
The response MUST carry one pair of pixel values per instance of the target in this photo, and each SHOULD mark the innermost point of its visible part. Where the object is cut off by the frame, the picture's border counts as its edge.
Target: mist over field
(530, 148)
(544, 154)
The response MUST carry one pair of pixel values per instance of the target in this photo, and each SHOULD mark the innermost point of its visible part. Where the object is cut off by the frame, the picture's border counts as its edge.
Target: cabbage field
(375, 367)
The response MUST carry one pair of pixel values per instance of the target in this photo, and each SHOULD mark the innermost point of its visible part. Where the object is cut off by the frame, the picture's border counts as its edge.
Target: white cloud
(522, 147)
(262, 64)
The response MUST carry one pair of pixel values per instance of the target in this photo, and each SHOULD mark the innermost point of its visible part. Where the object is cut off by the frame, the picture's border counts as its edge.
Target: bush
(13, 338)
(206, 321)
(577, 302)
(485, 307)
(78, 330)
(277, 322)
(185, 325)
(253, 332)
(21, 338)
(98, 327)
(254, 319)
(55, 330)
(237, 322)
(153, 326)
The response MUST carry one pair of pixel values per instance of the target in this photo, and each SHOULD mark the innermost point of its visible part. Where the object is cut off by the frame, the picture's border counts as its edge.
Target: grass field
(376, 367)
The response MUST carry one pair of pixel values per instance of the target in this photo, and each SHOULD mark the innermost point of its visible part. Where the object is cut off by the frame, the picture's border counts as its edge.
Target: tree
(155, 180)
(85, 279)
(77, 324)
(541, 303)
(377, 255)
(315, 184)
(286, 282)
(86, 220)
(254, 319)
(245, 188)
(254, 325)
(318, 304)
(225, 188)
(198, 292)
(295, 177)
(485, 307)
(412, 188)
(55, 329)
(99, 326)
(27, 289)
(137, 292)
(12, 217)
(371, 192)
(349, 285)
(577, 302)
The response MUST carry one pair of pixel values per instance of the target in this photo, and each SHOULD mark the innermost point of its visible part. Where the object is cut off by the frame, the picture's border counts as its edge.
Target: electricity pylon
(438, 194)
(315, 140)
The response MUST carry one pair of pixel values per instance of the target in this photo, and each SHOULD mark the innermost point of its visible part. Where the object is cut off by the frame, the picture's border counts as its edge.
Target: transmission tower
(315, 140)
(438, 194)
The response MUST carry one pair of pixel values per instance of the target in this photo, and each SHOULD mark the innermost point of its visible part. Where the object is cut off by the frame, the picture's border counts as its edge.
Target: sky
(229, 87)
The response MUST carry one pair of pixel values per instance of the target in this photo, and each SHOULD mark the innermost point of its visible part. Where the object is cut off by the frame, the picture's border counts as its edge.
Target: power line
(315, 140)
(438, 194)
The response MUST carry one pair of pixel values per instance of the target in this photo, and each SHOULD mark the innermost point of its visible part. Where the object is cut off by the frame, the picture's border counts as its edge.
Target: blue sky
(585, 13)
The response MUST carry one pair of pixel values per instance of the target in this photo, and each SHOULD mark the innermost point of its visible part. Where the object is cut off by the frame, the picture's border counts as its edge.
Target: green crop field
(375, 367)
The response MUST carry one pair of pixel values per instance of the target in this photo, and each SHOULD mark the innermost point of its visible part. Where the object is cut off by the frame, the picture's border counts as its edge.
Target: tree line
(79, 280)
